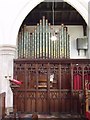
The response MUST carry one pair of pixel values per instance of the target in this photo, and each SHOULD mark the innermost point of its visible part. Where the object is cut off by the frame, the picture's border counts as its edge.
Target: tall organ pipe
(38, 44)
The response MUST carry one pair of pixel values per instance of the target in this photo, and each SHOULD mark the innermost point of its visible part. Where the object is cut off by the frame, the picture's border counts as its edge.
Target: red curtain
(77, 84)
(87, 77)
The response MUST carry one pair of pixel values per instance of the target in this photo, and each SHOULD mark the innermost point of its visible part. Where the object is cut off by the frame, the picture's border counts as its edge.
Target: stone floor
(46, 117)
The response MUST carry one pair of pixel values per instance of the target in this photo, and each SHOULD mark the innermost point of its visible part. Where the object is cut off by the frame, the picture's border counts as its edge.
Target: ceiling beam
(56, 11)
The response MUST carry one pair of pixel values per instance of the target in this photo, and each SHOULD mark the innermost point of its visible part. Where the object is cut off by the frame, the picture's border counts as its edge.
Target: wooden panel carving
(30, 101)
(50, 85)
(20, 98)
(66, 101)
(42, 105)
(54, 101)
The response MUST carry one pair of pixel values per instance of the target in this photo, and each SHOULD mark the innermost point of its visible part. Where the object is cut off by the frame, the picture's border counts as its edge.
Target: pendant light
(53, 36)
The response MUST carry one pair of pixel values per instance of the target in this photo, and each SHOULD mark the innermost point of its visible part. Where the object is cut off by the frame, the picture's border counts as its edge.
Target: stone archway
(28, 6)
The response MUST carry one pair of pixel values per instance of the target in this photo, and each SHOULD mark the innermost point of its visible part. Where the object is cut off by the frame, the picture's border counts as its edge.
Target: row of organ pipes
(38, 44)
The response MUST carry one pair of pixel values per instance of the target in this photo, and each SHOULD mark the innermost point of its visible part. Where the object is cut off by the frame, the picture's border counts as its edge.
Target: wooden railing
(2, 105)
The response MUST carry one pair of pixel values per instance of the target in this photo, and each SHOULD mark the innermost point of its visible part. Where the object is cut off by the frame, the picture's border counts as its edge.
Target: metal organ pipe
(41, 39)
(38, 44)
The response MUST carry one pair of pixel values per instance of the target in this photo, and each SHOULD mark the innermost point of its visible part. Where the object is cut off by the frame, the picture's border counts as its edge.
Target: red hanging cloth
(77, 82)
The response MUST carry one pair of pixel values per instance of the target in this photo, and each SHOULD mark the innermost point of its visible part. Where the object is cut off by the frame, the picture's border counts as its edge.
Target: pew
(2, 105)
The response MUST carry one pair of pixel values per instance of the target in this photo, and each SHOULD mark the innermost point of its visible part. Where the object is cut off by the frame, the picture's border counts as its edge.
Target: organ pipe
(41, 39)
(37, 44)
(29, 45)
(49, 43)
(47, 40)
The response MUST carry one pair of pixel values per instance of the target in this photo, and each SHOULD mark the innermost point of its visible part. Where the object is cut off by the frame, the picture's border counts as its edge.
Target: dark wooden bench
(2, 105)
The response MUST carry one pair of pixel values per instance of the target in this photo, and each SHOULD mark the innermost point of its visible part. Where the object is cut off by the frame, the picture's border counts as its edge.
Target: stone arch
(29, 5)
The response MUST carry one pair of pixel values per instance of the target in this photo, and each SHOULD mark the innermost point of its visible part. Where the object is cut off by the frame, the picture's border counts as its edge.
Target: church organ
(52, 82)
(37, 44)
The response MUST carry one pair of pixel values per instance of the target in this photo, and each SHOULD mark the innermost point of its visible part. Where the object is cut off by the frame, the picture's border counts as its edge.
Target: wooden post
(86, 94)
(48, 88)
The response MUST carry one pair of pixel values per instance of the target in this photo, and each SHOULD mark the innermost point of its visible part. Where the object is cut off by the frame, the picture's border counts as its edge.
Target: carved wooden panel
(65, 102)
(20, 101)
(54, 101)
(50, 85)
(65, 76)
(42, 104)
(30, 98)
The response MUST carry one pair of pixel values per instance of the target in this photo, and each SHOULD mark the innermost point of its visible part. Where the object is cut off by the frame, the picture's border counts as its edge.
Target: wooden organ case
(52, 82)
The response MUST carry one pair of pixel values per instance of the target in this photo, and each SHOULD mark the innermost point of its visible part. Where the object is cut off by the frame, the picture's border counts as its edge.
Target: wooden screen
(37, 43)
(50, 85)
